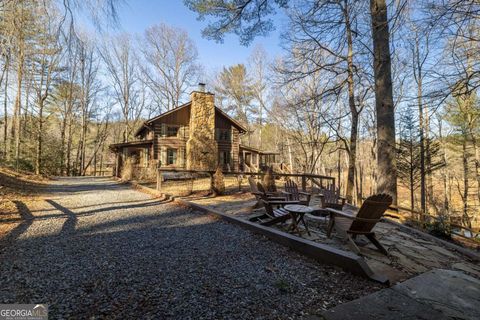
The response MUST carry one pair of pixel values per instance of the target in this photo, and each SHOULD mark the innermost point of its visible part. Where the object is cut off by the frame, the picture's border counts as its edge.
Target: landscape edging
(320, 252)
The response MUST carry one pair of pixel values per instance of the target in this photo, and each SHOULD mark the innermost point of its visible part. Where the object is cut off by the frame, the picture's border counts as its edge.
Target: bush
(440, 227)
(269, 181)
(218, 184)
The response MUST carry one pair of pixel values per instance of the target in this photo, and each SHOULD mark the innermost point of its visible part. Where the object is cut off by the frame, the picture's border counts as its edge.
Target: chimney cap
(201, 87)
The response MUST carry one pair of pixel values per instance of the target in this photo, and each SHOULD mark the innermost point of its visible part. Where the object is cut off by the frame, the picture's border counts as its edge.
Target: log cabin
(194, 136)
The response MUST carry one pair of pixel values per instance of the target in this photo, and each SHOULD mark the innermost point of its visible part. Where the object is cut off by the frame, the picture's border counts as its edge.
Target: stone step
(438, 294)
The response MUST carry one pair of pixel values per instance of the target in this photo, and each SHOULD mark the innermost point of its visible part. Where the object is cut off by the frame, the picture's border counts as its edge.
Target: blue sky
(137, 15)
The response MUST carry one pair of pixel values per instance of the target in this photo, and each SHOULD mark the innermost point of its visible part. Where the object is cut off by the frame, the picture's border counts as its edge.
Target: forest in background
(67, 93)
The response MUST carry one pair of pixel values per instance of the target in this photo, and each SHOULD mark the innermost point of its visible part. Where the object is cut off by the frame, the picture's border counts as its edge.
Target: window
(224, 157)
(172, 131)
(171, 156)
(223, 134)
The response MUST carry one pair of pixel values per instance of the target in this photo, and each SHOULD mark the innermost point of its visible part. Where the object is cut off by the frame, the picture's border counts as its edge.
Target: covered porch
(138, 152)
(252, 159)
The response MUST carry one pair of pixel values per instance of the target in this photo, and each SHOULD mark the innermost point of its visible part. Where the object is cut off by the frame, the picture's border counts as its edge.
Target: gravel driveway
(93, 248)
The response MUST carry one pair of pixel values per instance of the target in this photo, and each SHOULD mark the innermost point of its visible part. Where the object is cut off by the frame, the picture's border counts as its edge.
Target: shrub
(269, 181)
(218, 183)
(440, 227)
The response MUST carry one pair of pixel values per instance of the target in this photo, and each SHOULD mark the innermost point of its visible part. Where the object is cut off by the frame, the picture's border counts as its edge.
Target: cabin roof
(139, 143)
(148, 123)
(252, 149)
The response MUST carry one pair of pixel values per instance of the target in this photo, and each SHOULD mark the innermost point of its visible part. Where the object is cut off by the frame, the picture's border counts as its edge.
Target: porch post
(117, 165)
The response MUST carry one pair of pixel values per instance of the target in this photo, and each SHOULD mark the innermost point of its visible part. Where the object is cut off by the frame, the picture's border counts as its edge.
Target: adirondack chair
(275, 215)
(293, 194)
(271, 195)
(258, 194)
(330, 198)
(367, 217)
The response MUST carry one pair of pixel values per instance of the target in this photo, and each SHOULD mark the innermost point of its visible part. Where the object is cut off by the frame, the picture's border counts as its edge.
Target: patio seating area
(396, 252)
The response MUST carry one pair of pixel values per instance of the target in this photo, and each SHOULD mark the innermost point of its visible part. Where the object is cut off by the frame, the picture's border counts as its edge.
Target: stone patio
(436, 295)
(410, 254)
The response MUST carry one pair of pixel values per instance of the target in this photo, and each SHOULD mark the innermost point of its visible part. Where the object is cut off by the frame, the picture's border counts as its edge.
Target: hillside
(16, 189)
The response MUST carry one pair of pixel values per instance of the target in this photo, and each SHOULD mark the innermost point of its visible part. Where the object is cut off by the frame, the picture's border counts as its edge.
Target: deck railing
(421, 218)
(304, 180)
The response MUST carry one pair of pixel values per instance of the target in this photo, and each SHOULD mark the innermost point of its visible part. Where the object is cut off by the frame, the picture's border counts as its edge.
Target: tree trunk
(339, 170)
(38, 156)
(411, 177)
(62, 147)
(5, 114)
(445, 173)
(428, 165)
(16, 121)
(386, 165)
(69, 145)
(290, 155)
(352, 154)
(418, 74)
(477, 164)
(465, 158)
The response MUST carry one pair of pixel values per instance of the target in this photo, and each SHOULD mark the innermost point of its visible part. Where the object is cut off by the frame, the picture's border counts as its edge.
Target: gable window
(223, 135)
(172, 131)
(171, 156)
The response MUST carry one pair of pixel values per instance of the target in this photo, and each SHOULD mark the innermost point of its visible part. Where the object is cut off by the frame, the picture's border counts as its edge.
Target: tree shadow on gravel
(173, 265)
(26, 220)
(96, 204)
(71, 222)
(87, 187)
(67, 213)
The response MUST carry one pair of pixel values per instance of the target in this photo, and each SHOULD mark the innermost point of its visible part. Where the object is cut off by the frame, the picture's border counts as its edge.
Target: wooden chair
(330, 197)
(367, 217)
(270, 195)
(293, 194)
(275, 215)
(259, 194)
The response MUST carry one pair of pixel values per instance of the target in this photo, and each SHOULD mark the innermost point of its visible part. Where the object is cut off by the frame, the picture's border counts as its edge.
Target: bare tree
(122, 66)
(328, 45)
(19, 24)
(90, 88)
(42, 73)
(172, 67)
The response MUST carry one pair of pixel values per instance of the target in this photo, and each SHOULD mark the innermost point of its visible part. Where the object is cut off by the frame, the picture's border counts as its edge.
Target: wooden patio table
(298, 211)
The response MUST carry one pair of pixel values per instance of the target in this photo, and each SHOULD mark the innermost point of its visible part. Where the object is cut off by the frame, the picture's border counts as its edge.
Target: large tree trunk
(386, 164)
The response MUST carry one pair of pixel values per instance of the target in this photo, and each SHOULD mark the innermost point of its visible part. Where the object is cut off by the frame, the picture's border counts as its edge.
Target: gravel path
(95, 249)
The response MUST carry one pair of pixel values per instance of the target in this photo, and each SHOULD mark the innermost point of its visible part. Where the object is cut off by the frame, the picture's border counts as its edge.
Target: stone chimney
(202, 151)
